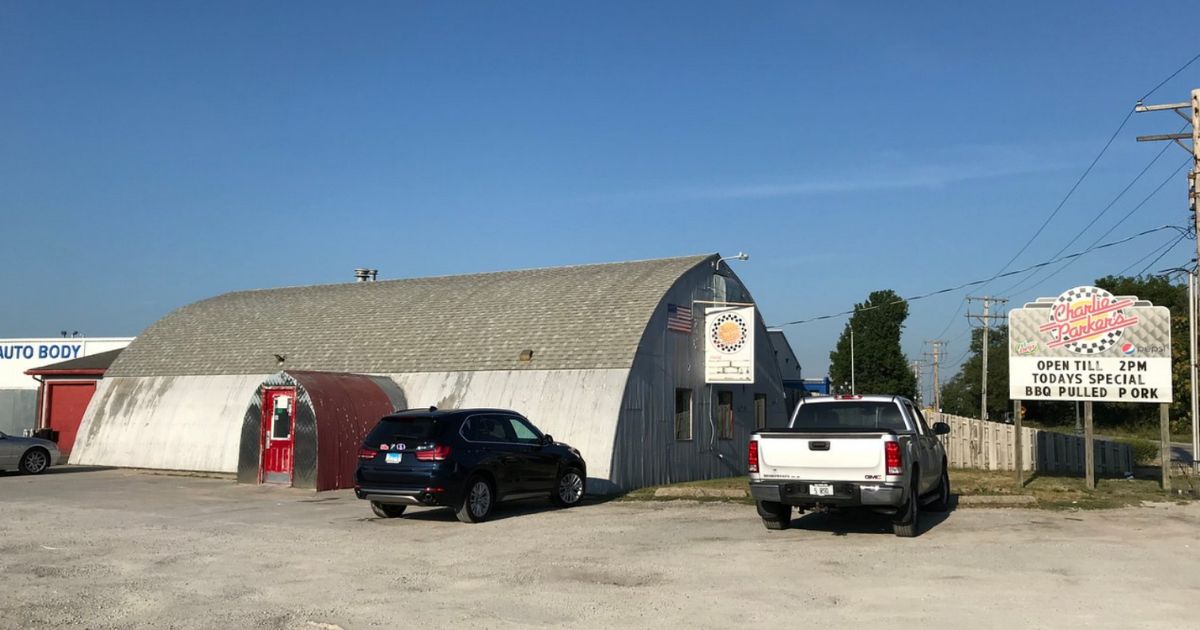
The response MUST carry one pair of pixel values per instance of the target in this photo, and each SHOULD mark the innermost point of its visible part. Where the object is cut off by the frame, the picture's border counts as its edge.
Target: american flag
(679, 318)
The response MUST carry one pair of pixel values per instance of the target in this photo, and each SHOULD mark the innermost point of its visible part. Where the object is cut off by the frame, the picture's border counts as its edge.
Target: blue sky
(158, 153)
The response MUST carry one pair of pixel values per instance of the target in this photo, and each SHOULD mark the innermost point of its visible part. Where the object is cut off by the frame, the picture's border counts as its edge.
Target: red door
(278, 434)
(65, 404)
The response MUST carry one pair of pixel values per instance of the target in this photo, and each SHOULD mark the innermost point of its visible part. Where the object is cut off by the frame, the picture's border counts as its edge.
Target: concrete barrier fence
(973, 443)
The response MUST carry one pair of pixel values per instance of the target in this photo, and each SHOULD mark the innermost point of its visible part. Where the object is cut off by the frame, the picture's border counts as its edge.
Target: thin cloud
(896, 173)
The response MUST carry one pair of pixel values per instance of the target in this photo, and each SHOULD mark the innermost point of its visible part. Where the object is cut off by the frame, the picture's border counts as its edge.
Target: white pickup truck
(874, 452)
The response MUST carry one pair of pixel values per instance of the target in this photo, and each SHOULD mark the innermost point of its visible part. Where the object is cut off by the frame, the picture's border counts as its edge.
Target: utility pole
(918, 368)
(853, 389)
(937, 383)
(1193, 118)
(986, 321)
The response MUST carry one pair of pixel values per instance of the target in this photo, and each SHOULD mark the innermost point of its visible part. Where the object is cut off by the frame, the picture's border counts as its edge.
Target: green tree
(880, 365)
(961, 394)
(1161, 292)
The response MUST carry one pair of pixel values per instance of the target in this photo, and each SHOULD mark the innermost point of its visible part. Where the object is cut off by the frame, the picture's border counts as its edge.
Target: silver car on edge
(27, 454)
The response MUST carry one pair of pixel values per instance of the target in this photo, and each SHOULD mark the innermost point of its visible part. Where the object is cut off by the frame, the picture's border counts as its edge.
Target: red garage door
(67, 402)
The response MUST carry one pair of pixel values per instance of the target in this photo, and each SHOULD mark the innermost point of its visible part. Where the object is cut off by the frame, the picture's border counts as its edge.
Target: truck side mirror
(940, 428)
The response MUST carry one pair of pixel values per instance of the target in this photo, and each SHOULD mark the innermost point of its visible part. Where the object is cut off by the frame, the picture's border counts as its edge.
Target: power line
(1012, 292)
(953, 318)
(978, 282)
(1173, 75)
(1070, 192)
(1088, 170)
(1170, 243)
(1160, 256)
(1096, 218)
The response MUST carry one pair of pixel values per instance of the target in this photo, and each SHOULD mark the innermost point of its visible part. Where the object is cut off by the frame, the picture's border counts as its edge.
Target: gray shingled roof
(588, 316)
(98, 361)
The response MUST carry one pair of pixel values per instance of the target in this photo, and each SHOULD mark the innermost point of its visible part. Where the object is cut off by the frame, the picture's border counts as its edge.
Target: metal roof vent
(365, 275)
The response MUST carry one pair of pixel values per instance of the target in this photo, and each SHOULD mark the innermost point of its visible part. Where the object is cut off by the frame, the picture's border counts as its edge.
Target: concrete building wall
(166, 422)
(579, 407)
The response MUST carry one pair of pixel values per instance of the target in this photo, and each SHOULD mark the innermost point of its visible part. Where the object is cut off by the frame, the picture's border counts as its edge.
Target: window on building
(760, 411)
(683, 414)
(725, 415)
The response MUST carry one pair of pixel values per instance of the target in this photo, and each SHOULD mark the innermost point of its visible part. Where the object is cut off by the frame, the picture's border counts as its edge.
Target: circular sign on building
(728, 332)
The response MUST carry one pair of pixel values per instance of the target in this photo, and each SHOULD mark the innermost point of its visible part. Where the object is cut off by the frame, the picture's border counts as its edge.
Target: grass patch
(1051, 492)
(1064, 493)
(724, 483)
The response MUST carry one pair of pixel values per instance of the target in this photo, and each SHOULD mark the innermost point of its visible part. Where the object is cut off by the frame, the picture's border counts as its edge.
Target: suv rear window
(403, 428)
(850, 415)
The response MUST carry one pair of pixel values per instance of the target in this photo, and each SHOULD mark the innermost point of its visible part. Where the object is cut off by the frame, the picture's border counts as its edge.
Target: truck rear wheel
(907, 522)
(774, 515)
(942, 503)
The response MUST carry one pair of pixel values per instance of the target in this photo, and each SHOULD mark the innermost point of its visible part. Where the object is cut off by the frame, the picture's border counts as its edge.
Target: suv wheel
(569, 488)
(35, 461)
(385, 510)
(477, 501)
(774, 515)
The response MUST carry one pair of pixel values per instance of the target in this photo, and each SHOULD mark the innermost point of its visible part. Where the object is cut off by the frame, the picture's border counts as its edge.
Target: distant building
(65, 390)
(19, 391)
(789, 368)
(818, 386)
(276, 385)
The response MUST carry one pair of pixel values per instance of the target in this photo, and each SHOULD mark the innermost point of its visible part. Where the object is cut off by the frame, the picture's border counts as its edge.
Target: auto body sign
(1088, 344)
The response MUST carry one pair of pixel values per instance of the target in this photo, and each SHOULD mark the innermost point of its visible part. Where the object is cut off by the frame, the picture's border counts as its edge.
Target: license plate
(393, 458)
(820, 489)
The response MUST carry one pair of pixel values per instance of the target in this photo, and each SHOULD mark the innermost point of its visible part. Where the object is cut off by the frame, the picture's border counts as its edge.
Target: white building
(18, 391)
(599, 356)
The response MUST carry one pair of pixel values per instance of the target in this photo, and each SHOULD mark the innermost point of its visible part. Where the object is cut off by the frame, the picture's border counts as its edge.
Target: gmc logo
(873, 477)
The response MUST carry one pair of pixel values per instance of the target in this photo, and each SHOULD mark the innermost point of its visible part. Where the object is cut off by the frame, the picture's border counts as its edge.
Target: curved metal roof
(580, 317)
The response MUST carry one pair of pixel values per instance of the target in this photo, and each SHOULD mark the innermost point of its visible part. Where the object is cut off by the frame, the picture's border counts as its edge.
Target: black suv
(464, 459)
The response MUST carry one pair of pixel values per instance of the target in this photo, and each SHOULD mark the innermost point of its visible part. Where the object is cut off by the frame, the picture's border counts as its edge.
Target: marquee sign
(1088, 344)
(729, 345)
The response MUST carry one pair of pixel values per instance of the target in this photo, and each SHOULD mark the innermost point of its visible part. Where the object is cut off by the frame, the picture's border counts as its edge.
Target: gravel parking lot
(118, 548)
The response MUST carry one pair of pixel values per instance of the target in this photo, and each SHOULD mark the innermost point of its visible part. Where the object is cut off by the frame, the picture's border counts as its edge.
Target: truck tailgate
(822, 457)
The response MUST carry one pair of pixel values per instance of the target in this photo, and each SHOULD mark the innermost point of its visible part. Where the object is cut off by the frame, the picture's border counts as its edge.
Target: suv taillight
(891, 454)
(367, 453)
(438, 453)
(752, 456)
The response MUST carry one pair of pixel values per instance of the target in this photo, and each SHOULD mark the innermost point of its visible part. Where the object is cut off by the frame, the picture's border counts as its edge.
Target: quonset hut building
(281, 385)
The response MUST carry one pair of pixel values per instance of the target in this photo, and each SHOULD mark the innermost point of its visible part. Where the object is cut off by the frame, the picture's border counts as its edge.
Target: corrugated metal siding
(646, 452)
(347, 407)
(166, 422)
(334, 412)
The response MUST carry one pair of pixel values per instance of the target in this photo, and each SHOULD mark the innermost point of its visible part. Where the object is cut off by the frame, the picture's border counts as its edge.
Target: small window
(281, 421)
(402, 429)
(683, 414)
(486, 429)
(725, 415)
(916, 414)
(523, 432)
(760, 411)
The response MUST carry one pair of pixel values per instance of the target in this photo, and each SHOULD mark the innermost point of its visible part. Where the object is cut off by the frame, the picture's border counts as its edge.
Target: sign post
(1019, 457)
(1092, 346)
(1089, 446)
